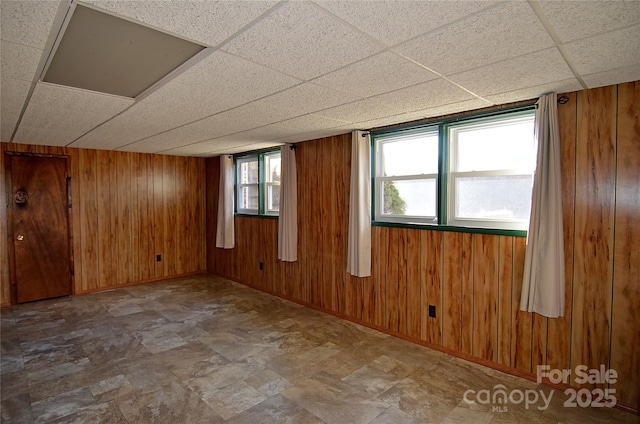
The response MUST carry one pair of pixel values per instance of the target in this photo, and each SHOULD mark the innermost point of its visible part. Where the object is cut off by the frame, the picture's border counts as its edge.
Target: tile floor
(205, 350)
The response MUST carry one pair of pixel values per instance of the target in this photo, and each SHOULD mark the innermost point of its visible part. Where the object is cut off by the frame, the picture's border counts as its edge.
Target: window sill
(453, 229)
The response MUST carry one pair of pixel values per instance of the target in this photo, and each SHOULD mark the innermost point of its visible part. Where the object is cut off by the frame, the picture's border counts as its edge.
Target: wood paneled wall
(474, 280)
(126, 209)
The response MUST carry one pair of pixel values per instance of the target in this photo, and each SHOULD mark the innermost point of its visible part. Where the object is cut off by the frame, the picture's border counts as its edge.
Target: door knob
(20, 237)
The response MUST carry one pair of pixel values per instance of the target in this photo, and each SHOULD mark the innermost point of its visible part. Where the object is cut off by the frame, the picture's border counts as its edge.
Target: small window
(407, 170)
(258, 184)
(474, 173)
(248, 187)
(272, 183)
(490, 174)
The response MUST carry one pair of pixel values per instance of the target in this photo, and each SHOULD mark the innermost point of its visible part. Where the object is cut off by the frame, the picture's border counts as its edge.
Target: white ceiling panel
(613, 50)
(297, 101)
(393, 22)
(499, 33)
(300, 39)
(12, 95)
(528, 93)
(367, 109)
(426, 95)
(573, 20)
(28, 22)
(19, 61)
(57, 115)
(525, 71)
(312, 122)
(421, 114)
(376, 75)
(192, 19)
(613, 76)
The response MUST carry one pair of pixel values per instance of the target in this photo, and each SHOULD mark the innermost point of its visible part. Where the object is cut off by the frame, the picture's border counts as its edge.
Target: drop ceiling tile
(28, 22)
(572, 20)
(403, 118)
(376, 75)
(210, 22)
(530, 70)
(616, 49)
(392, 22)
(511, 30)
(302, 40)
(220, 82)
(425, 95)
(215, 126)
(311, 122)
(367, 109)
(19, 61)
(297, 101)
(199, 149)
(58, 115)
(246, 148)
(534, 92)
(613, 76)
(14, 93)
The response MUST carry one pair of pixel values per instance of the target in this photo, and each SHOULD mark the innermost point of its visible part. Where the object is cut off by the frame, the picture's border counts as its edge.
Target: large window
(473, 173)
(258, 183)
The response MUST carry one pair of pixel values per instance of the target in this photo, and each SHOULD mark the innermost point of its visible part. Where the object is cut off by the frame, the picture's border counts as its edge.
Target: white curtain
(359, 245)
(225, 237)
(288, 219)
(544, 279)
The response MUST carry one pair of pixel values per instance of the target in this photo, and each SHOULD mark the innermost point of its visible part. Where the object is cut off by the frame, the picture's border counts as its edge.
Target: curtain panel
(543, 286)
(288, 215)
(225, 237)
(359, 243)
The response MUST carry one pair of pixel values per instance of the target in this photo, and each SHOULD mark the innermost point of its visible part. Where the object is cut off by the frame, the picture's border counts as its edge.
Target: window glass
(410, 155)
(504, 144)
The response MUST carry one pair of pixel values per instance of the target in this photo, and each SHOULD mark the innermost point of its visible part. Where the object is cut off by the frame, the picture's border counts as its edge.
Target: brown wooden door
(40, 228)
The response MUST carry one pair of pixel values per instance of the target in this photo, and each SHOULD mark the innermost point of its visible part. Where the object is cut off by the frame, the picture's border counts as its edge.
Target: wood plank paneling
(452, 292)
(114, 214)
(89, 220)
(107, 263)
(625, 333)
(393, 283)
(415, 281)
(5, 287)
(431, 271)
(124, 219)
(485, 296)
(595, 202)
(505, 284)
(521, 321)
(467, 300)
(558, 344)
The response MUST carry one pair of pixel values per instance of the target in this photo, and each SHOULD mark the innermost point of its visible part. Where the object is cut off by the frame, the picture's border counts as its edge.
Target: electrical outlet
(261, 266)
(432, 311)
(158, 258)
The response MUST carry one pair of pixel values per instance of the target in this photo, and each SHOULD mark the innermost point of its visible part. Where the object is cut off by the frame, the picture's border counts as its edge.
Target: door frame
(8, 169)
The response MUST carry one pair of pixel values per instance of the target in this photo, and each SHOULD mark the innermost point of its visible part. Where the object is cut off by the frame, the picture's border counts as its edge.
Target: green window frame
(257, 183)
(470, 173)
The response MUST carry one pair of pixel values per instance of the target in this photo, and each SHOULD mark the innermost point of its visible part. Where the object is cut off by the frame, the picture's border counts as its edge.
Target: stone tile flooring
(205, 350)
